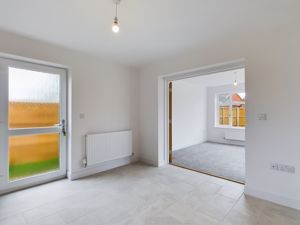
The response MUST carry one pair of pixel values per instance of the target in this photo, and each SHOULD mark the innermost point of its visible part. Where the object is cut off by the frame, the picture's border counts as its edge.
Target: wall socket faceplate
(262, 116)
(283, 168)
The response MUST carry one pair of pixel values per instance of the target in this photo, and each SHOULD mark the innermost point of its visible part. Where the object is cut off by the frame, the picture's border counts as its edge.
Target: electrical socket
(262, 116)
(283, 168)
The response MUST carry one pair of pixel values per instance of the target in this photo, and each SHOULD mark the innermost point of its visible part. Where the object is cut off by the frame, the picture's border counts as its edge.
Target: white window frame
(217, 110)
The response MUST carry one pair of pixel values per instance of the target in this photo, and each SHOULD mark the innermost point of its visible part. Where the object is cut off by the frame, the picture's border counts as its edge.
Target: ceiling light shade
(116, 26)
(235, 83)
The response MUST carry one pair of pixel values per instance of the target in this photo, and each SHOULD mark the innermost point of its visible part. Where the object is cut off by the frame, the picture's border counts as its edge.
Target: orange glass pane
(33, 154)
(30, 114)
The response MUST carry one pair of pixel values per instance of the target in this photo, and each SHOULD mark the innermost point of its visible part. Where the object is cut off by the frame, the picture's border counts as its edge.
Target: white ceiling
(217, 79)
(151, 30)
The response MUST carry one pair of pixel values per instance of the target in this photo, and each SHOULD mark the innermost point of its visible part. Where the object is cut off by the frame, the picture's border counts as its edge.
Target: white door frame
(163, 121)
(31, 64)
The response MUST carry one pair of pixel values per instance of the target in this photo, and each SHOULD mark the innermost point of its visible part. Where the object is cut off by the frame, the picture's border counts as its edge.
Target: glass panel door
(34, 147)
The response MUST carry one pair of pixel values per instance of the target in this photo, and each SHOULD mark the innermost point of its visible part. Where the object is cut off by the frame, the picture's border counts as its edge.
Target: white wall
(189, 114)
(107, 93)
(215, 133)
(272, 87)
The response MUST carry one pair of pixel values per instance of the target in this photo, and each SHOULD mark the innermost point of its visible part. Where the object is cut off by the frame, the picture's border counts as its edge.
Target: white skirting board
(84, 172)
(148, 161)
(292, 203)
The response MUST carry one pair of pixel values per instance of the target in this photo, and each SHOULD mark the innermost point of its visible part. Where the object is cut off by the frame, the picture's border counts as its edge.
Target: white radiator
(235, 135)
(108, 146)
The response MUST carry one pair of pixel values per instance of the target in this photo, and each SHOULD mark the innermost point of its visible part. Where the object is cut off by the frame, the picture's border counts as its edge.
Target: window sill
(228, 127)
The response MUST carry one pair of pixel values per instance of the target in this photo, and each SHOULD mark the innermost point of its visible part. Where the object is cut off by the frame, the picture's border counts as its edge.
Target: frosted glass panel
(33, 98)
(33, 154)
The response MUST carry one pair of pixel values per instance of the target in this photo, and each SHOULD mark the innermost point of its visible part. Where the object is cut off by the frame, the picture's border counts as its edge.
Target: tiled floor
(138, 195)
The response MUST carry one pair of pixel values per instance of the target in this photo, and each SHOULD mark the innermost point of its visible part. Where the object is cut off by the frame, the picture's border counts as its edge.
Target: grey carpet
(223, 160)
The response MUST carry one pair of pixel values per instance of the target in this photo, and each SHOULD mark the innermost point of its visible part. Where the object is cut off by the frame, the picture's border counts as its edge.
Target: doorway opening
(206, 124)
(33, 124)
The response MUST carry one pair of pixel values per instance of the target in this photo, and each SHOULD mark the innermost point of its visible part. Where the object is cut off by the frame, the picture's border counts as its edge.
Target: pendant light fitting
(116, 26)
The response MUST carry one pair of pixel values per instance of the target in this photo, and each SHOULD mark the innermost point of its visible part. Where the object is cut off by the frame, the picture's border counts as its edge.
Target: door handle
(63, 127)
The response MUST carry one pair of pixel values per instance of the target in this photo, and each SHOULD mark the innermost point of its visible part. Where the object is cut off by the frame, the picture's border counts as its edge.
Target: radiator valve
(84, 162)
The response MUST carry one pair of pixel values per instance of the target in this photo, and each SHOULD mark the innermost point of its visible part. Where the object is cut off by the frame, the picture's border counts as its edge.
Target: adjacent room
(136, 112)
(208, 124)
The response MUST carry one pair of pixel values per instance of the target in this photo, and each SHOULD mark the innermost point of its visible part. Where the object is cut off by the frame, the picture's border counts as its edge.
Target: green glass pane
(30, 155)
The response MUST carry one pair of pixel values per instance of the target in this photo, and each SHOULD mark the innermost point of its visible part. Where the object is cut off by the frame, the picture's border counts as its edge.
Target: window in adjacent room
(230, 108)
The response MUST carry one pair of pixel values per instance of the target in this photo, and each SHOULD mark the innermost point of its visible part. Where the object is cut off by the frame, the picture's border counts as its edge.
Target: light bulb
(115, 27)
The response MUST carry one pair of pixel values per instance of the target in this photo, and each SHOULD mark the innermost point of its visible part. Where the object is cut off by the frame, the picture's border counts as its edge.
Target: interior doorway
(33, 112)
(207, 121)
